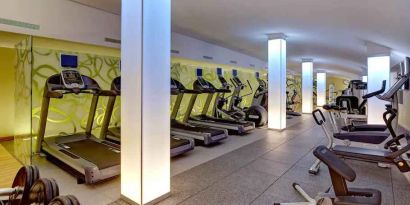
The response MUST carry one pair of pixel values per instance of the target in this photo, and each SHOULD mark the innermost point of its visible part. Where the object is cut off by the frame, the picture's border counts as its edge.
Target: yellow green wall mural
(69, 115)
(184, 70)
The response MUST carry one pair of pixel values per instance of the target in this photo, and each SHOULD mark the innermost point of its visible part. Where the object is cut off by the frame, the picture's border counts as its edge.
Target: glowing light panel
(364, 78)
(145, 128)
(321, 89)
(307, 86)
(277, 83)
(378, 70)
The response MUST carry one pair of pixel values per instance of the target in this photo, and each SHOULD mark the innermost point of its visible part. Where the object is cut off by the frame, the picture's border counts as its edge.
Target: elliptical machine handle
(319, 121)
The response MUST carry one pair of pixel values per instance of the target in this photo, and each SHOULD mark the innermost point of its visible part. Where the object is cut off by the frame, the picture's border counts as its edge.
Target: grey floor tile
(322, 179)
(266, 199)
(283, 156)
(284, 191)
(268, 166)
(401, 197)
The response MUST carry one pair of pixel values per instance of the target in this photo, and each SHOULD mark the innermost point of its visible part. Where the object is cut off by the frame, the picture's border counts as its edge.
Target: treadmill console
(201, 81)
(72, 79)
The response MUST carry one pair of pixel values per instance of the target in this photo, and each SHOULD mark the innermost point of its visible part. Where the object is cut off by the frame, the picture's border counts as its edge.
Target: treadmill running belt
(213, 132)
(176, 142)
(94, 152)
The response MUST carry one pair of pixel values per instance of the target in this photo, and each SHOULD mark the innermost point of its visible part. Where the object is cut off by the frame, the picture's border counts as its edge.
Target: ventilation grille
(233, 62)
(208, 57)
(112, 40)
(175, 51)
(20, 24)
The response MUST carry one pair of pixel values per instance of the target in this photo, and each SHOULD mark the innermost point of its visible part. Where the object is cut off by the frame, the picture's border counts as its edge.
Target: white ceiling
(112, 6)
(331, 32)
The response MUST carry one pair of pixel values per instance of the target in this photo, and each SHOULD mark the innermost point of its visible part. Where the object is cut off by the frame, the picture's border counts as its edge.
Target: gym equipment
(65, 200)
(201, 134)
(81, 154)
(205, 87)
(111, 133)
(254, 113)
(290, 104)
(43, 191)
(394, 153)
(20, 189)
(28, 188)
(339, 172)
(363, 127)
(261, 94)
(178, 145)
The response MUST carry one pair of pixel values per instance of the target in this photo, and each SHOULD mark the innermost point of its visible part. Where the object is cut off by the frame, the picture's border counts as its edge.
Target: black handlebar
(322, 120)
(377, 92)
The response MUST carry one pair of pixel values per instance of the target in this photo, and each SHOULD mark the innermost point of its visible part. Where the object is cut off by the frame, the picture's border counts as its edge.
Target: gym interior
(222, 102)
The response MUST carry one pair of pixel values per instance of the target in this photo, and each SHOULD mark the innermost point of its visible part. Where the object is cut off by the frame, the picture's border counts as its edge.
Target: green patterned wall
(184, 70)
(69, 115)
(22, 100)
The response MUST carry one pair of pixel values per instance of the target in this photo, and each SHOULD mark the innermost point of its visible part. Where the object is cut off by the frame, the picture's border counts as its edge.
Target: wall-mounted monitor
(68, 61)
(219, 72)
(234, 73)
(199, 72)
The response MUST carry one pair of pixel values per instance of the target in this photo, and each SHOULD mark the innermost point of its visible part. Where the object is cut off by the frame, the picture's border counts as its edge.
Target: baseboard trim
(5, 139)
(126, 199)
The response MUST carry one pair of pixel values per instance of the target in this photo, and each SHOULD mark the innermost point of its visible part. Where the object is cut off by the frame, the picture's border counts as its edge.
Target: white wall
(62, 19)
(67, 20)
(195, 49)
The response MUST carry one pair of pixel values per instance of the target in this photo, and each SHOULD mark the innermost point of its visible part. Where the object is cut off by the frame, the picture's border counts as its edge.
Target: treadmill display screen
(199, 72)
(219, 71)
(257, 74)
(72, 77)
(235, 73)
(69, 61)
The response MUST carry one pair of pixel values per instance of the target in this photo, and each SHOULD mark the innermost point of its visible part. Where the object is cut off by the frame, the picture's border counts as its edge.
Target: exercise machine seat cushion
(364, 137)
(333, 162)
(360, 197)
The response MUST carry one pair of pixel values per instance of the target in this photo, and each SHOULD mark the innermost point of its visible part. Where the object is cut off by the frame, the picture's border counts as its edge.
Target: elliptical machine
(254, 113)
(290, 104)
(261, 94)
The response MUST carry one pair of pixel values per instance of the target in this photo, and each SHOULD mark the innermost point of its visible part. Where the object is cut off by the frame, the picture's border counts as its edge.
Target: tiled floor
(262, 173)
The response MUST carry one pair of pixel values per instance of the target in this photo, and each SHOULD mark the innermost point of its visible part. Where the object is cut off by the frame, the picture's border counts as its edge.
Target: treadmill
(201, 134)
(81, 154)
(204, 87)
(179, 145)
(111, 133)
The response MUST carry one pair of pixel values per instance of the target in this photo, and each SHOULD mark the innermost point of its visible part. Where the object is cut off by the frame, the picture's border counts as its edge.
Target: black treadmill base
(79, 176)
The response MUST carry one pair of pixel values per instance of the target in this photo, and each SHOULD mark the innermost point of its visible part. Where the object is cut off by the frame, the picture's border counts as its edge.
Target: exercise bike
(339, 172)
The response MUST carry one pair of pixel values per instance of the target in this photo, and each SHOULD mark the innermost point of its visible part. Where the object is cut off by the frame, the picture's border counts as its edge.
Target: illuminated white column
(307, 86)
(378, 69)
(277, 81)
(145, 128)
(321, 89)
